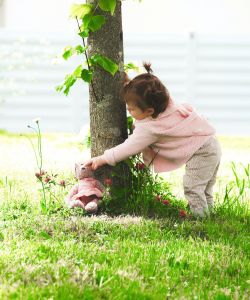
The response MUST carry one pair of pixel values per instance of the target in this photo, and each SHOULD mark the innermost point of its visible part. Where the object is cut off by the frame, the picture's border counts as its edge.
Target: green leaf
(80, 10)
(78, 71)
(84, 33)
(107, 5)
(104, 62)
(85, 22)
(59, 88)
(80, 49)
(92, 23)
(86, 75)
(1, 237)
(45, 235)
(69, 80)
(68, 84)
(68, 52)
(130, 66)
(96, 23)
(130, 122)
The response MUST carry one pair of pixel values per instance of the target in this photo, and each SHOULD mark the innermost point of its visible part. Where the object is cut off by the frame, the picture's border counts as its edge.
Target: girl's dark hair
(150, 91)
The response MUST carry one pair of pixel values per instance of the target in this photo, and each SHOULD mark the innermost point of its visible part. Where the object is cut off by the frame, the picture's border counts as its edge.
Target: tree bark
(108, 121)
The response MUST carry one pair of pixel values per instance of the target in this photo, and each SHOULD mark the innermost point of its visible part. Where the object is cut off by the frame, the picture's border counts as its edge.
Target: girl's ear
(151, 111)
(126, 79)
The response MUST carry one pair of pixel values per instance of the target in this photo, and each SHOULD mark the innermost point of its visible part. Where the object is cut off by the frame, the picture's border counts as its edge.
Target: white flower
(56, 60)
(36, 120)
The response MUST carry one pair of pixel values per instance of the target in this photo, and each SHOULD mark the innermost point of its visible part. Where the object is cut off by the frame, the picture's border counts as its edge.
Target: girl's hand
(95, 162)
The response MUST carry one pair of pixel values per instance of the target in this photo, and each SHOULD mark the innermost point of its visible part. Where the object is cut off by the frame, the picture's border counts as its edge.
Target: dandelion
(36, 120)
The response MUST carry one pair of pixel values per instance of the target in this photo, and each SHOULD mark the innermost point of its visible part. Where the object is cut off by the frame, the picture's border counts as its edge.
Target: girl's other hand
(95, 162)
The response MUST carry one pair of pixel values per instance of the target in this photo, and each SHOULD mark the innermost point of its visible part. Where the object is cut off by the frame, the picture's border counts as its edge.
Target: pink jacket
(169, 140)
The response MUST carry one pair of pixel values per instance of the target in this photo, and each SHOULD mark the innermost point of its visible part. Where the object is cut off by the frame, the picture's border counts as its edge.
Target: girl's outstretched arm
(95, 162)
(134, 144)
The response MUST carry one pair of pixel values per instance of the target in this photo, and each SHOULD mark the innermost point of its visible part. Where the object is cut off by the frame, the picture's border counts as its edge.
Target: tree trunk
(108, 122)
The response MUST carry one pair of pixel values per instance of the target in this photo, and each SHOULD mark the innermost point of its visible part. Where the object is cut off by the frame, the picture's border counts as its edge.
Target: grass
(66, 255)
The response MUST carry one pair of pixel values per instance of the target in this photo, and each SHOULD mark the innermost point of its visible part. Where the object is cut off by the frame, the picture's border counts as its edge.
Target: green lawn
(65, 255)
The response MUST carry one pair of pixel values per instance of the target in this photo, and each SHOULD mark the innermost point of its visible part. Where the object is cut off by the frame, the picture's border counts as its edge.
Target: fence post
(2, 13)
(191, 68)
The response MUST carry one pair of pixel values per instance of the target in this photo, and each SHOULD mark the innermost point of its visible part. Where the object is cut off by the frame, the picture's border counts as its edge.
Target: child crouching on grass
(171, 135)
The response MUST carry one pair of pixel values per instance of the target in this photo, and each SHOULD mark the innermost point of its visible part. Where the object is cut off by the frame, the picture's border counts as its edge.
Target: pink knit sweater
(169, 140)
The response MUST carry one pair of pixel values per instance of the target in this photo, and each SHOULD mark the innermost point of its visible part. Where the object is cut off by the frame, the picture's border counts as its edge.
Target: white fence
(27, 85)
(211, 73)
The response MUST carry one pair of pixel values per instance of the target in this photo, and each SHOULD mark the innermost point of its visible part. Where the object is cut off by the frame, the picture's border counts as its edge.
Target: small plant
(237, 191)
(88, 21)
(149, 194)
(39, 162)
(47, 181)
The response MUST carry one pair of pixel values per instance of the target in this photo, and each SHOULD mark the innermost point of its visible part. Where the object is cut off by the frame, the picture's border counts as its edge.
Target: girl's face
(136, 111)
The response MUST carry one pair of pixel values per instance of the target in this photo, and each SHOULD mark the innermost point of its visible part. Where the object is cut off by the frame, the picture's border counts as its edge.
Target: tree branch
(87, 59)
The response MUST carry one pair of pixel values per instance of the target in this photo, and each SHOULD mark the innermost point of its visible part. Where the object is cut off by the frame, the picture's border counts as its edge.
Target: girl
(171, 135)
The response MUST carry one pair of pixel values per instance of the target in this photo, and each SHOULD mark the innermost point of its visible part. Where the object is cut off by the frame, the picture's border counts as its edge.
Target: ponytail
(147, 67)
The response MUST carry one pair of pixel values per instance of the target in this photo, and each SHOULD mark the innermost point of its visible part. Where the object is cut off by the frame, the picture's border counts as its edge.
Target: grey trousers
(200, 177)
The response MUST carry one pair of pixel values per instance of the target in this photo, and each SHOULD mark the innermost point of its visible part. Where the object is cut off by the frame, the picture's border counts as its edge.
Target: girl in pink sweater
(171, 135)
